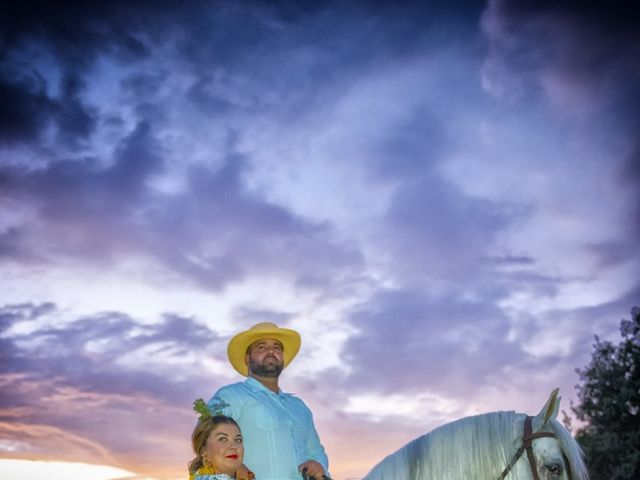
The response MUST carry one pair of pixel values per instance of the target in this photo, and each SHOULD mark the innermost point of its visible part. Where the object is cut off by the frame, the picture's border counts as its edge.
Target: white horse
(493, 446)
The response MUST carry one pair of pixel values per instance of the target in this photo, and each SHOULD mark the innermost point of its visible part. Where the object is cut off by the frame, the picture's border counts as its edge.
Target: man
(279, 435)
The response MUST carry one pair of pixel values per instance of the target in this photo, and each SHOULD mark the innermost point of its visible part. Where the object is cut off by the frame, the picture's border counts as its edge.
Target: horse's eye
(554, 468)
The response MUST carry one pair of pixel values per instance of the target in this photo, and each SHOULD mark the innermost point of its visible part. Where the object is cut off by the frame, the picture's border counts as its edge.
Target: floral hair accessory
(199, 406)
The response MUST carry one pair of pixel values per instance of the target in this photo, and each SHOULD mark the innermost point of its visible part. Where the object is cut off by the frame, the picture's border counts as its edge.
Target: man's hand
(243, 473)
(311, 468)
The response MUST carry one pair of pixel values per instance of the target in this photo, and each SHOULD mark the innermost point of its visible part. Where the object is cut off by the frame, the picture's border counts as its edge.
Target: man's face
(265, 358)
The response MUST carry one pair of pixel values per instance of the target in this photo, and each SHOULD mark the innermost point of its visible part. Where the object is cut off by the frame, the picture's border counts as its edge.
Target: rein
(527, 445)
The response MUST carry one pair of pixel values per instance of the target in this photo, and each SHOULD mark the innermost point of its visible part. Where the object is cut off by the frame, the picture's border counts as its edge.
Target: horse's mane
(483, 446)
(572, 451)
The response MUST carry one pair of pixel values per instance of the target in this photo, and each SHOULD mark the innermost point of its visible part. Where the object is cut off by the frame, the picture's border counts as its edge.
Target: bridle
(527, 445)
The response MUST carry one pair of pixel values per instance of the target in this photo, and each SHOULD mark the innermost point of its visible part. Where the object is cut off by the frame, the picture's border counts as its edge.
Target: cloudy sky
(442, 197)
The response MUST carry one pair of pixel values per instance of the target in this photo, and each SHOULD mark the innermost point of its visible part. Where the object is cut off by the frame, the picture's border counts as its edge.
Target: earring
(207, 463)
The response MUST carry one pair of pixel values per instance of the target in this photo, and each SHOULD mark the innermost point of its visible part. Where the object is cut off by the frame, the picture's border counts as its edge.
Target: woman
(217, 443)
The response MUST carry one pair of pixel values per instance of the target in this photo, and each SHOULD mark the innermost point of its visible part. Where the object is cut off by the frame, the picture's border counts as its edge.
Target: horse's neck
(470, 448)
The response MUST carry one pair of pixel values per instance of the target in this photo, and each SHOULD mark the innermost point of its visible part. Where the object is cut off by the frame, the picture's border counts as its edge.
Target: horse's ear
(549, 411)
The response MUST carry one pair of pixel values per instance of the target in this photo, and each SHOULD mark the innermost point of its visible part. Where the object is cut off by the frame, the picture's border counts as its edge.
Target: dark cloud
(76, 121)
(586, 58)
(632, 172)
(519, 260)
(87, 351)
(210, 104)
(613, 253)
(288, 57)
(26, 108)
(630, 179)
(40, 43)
(78, 31)
(329, 34)
(99, 200)
(249, 234)
(587, 42)
(619, 22)
(79, 193)
(11, 245)
(411, 148)
(214, 233)
(411, 342)
(448, 233)
(407, 339)
(143, 85)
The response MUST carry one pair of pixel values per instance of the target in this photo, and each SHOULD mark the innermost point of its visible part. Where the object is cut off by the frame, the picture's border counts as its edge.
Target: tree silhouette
(609, 404)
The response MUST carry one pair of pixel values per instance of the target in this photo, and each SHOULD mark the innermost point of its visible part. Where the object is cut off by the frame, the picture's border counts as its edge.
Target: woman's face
(224, 448)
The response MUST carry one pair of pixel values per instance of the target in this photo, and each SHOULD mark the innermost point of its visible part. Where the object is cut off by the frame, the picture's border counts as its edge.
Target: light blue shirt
(277, 429)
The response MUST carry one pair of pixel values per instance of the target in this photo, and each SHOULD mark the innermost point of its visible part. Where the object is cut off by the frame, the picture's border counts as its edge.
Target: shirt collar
(253, 383)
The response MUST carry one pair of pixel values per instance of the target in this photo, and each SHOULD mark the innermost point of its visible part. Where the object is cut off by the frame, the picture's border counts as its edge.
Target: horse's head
(498, 445)
(547, 451)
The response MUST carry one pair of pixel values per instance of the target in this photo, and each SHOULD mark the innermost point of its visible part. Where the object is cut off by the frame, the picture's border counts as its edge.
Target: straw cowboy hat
(239, 344)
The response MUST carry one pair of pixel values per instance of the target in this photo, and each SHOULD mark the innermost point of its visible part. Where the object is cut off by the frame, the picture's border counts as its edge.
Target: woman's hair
(201, 434)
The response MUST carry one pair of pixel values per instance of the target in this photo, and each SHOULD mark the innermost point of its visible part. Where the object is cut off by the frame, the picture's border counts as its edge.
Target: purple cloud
(77, 381)
(583, 57)
(407, 338)
(85, 203)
